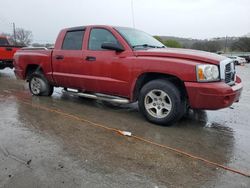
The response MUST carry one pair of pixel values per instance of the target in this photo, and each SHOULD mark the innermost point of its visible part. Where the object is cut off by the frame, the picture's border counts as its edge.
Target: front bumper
(213, 96)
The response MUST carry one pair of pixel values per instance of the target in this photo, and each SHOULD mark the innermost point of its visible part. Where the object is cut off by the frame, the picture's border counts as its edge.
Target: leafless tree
(23, 37)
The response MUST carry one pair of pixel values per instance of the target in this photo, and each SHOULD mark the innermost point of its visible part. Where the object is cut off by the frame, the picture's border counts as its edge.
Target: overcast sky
(182, 18)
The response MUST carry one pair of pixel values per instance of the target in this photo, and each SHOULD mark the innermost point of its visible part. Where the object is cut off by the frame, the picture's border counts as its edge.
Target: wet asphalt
(44, 142)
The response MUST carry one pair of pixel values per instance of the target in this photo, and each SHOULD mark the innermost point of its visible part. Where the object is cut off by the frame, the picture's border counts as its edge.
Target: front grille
(230, 73)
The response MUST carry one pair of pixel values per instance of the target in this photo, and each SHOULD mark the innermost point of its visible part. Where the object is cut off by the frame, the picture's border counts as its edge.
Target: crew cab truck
(125, 65)
(7, 52)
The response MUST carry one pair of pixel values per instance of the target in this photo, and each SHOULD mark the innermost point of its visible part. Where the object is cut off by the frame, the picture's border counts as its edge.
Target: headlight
(207, 73)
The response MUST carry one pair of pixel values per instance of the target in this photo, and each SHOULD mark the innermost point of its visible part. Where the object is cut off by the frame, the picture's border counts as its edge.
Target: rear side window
(73, 40)
(100, 36)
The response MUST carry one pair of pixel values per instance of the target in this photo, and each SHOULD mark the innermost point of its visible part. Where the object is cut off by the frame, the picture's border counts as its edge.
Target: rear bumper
(213, 96)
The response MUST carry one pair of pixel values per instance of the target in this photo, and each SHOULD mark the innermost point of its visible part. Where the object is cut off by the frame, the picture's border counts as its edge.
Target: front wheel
(39, 85)
(160, 102)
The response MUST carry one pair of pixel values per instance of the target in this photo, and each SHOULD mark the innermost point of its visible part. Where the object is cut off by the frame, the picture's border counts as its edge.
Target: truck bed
(35, 56)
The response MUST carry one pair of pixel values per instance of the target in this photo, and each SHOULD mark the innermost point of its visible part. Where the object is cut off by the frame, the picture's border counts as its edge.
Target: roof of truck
(83, 27)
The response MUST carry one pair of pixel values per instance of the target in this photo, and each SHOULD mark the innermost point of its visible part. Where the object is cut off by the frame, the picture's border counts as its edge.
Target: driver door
(105, 70)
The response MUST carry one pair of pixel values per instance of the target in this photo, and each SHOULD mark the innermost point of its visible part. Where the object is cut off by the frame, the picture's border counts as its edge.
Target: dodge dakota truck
(6, 53)
(125, 65)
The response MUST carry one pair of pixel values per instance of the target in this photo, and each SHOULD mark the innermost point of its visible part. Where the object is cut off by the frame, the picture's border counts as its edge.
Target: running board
(99, 96)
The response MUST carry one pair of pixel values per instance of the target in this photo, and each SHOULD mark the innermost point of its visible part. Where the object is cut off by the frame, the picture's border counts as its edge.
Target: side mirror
(113, 46)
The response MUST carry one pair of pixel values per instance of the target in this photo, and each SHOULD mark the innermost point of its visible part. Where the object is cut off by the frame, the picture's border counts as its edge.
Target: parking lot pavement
(47, 142)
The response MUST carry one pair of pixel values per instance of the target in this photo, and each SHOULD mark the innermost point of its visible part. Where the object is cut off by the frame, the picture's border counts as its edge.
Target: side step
(98, 96)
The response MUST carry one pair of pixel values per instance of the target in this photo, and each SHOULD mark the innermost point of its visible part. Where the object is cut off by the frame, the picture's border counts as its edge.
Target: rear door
(67, 61)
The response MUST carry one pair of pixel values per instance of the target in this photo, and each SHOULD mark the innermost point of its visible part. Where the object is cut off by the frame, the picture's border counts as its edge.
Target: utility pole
(14, 31)
(132, 10)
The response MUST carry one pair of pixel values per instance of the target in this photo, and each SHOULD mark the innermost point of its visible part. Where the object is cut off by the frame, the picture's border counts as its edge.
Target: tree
(199, 46)
(23, 37)
(210, 46)
(172, 43)
(159, 39)
(243, 44)
(169, 42)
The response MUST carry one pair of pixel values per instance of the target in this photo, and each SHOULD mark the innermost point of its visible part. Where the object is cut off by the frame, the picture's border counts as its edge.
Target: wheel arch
(144, 78)
(31, 68)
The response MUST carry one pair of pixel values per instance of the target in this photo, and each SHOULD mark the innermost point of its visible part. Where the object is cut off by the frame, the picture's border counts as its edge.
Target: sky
(201, 19)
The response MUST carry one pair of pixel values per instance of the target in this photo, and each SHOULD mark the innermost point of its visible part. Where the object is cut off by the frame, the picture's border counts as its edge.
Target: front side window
(100, 36)
(73, 40)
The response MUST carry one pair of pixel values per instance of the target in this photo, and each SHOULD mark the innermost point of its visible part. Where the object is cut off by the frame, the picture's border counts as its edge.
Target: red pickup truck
(125, 65)
(7, 52)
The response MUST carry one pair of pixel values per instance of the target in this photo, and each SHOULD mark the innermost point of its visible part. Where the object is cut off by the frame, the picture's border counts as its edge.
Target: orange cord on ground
(125, 133)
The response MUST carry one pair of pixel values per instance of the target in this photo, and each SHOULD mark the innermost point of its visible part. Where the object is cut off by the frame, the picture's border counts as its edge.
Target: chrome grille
(230, 73)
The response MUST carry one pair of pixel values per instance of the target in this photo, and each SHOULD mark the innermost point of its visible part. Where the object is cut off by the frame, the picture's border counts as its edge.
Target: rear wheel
(160, 102)
(39, 85)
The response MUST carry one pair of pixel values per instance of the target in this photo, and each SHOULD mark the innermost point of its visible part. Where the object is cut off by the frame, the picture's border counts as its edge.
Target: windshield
(139, 39)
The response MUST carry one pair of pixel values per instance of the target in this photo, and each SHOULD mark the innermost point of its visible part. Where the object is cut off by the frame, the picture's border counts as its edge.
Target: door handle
(59, 57)
(90, 58)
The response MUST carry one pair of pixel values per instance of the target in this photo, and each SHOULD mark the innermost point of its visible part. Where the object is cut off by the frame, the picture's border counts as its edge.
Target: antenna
(132, 10)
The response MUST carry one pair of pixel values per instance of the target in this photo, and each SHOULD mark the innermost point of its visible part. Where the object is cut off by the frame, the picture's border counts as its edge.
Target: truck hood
(195, 55)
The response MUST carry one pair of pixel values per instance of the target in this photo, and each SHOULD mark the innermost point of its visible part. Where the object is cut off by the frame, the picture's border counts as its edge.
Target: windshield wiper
(147, 46)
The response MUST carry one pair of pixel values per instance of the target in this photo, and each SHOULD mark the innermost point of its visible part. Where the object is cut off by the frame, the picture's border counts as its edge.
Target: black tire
(44, 88)
(173, 97)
